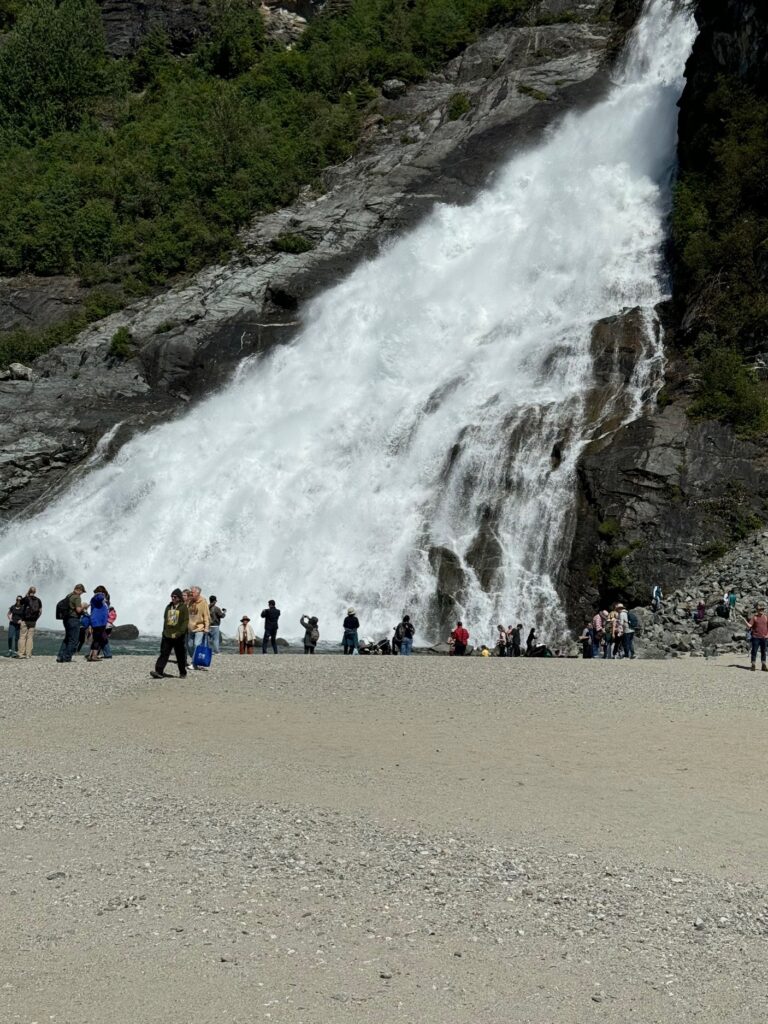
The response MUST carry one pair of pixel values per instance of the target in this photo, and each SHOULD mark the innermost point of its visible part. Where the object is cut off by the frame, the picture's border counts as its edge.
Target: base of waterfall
(384, 839)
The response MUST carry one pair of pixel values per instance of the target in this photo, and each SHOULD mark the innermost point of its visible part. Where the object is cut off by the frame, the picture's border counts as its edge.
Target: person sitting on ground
(32, 610)
(174, 638)
(501, 642)
(351, 624)
(311, 632)
(758, 633)
(271, 615)
(484, 652)
(15, 614)
(460, 638)
(405, 632)
(246, 638)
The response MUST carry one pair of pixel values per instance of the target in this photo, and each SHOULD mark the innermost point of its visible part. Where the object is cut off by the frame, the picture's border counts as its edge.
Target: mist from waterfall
(420, 403)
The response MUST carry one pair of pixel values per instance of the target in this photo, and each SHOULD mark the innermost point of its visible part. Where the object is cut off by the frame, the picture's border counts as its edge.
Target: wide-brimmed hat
(619, 605)
(245, 619)
(350, 611)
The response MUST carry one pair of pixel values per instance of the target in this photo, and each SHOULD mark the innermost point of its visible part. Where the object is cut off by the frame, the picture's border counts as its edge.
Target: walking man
(72, 608)
(175, 625)
(32, 609)
(515, 638)
(215, 614)
(271, 615)
(758, 632)
(199, 621)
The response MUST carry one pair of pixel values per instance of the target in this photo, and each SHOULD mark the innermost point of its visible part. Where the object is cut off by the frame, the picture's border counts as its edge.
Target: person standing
(99, 613)
(501, 642)
(758, 633)
(460, 639)
(215, 614)
(618, 631)
(598, 632)
(515, 640)
(174, 637)
(657, 598)
(32, 609)
(246, 638)
(732, 598)
(271, 616)
(586, 640)
(351, 624)
(72, 609)
(15, 616)
(530, 642)
(199, 622)
(628, 620)
(407, 632)
(311, 633)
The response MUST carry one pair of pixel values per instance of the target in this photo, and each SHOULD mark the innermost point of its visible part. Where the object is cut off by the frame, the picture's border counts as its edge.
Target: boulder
(126, 632)
(19, 371)
(393, 88)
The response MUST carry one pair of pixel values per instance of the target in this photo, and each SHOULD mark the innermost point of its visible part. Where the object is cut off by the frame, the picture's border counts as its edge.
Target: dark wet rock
(128, 22)
(126, 632)
(33, 303)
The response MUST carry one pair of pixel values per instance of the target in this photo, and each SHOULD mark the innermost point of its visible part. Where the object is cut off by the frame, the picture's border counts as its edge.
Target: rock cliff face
(664, 496)
(84, 402)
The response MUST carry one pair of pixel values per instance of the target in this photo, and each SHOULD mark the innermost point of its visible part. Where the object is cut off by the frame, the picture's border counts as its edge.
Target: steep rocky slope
(665, 495)
(83, 401)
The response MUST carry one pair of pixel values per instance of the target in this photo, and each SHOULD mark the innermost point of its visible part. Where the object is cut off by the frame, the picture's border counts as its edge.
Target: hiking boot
(182, 675)
(156, 675)
(764, 667)
(753, 667)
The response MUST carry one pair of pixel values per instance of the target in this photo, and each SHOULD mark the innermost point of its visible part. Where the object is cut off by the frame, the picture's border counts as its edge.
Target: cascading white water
(422, 398)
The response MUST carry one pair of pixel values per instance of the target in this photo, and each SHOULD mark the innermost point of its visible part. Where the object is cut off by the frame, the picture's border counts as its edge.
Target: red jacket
(461, 635)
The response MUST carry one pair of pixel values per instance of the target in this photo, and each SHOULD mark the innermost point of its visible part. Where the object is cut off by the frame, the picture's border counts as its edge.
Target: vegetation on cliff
(128, 172)
(721, 244)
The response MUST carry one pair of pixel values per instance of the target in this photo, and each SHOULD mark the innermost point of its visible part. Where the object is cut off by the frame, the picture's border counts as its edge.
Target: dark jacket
(16, 613)
(351, 622)
(216, 614)
(32, 609)
(175, 620)
(270, 616)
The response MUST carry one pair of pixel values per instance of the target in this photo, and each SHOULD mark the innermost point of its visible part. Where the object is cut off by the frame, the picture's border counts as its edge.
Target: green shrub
(529, 90)
(292, 243)
(122, 345)
(730, 392)
(458, 106)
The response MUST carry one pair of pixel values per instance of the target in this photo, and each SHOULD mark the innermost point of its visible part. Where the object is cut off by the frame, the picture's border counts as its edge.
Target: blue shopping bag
(203, 654)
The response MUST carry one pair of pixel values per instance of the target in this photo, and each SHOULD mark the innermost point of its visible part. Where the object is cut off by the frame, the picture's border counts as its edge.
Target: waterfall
(429, 415)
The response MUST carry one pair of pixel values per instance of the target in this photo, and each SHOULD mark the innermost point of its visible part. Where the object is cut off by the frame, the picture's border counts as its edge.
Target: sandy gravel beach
(384, 840)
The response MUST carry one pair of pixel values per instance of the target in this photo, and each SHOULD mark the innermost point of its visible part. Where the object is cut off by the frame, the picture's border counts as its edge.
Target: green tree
(52, 68)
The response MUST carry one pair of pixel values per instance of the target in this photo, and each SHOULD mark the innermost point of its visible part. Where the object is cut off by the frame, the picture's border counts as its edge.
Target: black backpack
(634, 622)
(62, 608)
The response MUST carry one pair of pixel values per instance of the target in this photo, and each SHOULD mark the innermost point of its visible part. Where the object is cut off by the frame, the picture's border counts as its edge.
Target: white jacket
(245, 633)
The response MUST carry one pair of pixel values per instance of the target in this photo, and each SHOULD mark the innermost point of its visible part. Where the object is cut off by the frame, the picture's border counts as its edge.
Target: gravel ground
(384, 840)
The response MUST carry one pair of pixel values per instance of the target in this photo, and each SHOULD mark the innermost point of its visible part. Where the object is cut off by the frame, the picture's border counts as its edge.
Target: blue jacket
(99, 611)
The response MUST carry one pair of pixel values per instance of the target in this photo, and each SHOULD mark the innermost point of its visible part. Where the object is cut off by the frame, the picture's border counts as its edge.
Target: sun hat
(245, 619)
(350, 611)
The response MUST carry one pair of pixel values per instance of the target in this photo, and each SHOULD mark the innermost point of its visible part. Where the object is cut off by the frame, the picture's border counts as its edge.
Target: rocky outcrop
(32, 303)
(127, 22)
(85, 401)
(664, 495)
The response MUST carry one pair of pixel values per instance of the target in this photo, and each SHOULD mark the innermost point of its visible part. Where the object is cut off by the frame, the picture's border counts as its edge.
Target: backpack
(609, 629)
(314, 634)
(400, 631)
(62, 608)
(634, 622)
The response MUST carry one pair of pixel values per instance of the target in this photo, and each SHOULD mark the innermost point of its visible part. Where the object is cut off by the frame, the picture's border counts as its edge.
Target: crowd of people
(191, 630)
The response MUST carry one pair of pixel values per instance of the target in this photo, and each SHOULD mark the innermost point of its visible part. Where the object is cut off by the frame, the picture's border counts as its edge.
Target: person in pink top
(758, 631)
